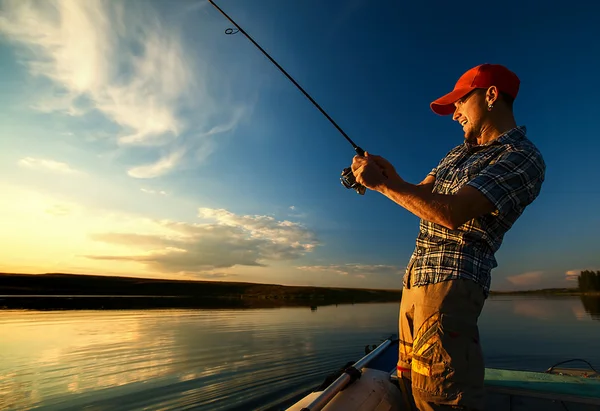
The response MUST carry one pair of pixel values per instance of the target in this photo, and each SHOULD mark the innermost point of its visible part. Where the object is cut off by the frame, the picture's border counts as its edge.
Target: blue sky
(138, 139)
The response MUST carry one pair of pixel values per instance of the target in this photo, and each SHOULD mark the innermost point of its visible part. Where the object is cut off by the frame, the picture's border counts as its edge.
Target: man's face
(469, 112)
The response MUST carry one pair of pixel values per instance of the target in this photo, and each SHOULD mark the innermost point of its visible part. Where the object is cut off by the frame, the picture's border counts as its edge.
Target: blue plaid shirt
(509, 171)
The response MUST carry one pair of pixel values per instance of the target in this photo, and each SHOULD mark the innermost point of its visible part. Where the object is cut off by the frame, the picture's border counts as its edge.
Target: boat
(371, 384)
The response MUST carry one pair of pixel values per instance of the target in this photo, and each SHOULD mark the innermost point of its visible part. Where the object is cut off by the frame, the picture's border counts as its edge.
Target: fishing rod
(347, 177)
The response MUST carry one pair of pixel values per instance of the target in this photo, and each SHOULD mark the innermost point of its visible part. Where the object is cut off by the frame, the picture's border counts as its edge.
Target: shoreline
(124, 302)
(58, 291)
(76, 291)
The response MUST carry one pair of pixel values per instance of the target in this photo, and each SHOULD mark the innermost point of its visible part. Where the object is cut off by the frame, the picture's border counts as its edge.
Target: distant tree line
(589, 281)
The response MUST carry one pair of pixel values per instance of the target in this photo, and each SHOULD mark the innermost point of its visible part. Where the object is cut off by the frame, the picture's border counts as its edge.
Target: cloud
(157, 168)
(356, 270)
(262, 227)
(529, 278)
(230, 240)
(59, 210)
(153, 192)
(572, 275)
(295, 213)
(237, 114)
(124, 61)
(80, 44)
(216, 275)
(46, 165)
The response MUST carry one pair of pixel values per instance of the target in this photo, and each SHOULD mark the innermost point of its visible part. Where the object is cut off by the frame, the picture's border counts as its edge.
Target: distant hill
(102, 291)
(79, 291)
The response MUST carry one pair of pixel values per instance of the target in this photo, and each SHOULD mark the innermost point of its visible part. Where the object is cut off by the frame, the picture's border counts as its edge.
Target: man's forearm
(419, 200)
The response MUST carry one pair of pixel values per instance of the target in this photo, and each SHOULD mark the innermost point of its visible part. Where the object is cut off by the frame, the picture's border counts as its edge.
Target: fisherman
(466, 204)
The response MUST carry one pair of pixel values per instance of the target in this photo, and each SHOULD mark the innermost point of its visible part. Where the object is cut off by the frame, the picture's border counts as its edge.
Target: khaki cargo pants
(439, 345)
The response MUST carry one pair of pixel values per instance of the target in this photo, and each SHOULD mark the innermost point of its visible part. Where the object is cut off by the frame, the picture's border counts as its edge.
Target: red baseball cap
(482, 76)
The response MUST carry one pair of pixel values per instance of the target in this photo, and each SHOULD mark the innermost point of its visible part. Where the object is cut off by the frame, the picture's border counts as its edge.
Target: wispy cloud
(294, 212)
(122, 60)
(47, 165)
(153, 192)
(59, 210)
(160, 167)
(80, 44)
(526, 279)
(230, 240)
(356, 270)
(572, 275)
(216, 275)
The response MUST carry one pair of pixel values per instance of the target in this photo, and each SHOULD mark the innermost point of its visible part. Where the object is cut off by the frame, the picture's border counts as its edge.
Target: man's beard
(471, 137)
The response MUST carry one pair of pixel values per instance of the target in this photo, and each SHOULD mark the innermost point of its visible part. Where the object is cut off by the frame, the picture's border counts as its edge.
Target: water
(246, 359)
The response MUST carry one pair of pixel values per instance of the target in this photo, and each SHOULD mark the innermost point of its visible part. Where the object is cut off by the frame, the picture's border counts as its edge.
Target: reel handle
(348, 179)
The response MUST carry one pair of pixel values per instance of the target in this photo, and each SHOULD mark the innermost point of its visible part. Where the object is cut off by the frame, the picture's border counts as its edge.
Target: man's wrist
(392, 185)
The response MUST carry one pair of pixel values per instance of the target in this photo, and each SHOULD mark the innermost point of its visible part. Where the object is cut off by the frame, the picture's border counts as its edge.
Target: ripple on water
(239, 359)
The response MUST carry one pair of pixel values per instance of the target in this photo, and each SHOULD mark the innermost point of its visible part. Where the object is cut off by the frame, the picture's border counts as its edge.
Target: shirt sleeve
(513, 181)
(433, 172)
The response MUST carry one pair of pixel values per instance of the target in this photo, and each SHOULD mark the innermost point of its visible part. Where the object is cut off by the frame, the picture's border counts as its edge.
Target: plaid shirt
(509, 171)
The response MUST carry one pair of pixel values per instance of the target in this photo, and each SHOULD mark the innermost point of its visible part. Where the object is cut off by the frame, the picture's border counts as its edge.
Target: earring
(490, 107)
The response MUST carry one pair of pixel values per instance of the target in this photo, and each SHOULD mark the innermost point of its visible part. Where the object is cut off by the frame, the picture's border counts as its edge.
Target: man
(466, 204)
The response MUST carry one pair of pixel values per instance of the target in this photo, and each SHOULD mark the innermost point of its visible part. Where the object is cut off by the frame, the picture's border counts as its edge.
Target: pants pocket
(446, 359)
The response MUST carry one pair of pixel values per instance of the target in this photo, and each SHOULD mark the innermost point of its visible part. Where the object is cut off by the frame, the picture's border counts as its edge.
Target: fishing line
(347, 178)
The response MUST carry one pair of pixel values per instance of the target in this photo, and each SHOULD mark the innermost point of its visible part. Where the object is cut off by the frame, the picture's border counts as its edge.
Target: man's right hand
(386, 166)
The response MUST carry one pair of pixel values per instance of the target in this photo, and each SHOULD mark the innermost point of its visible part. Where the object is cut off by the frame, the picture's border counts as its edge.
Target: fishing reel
(349, 181)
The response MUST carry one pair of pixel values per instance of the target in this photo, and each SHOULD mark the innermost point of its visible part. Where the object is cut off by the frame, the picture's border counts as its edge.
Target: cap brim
(445, 104)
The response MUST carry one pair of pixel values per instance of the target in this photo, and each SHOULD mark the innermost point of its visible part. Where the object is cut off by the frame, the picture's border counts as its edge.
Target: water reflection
(531, 308)
(559, 308)
(535, 332)
(232, 359)
(591, 304)
(214, 359)
(46, 355)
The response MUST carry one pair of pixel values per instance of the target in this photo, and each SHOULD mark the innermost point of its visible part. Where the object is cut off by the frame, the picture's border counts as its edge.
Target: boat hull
(374, 391)
(378, 390)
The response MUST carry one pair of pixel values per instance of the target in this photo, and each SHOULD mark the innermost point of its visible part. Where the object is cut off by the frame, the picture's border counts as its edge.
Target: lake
(247, 359)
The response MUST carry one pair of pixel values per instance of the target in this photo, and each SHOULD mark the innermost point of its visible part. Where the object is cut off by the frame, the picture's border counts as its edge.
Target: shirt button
(419, 251)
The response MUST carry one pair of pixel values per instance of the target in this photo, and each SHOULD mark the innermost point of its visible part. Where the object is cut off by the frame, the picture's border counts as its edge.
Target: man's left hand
(368, 173)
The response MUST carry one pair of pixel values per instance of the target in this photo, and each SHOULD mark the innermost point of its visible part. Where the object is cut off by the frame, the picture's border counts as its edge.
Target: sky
(138, 139)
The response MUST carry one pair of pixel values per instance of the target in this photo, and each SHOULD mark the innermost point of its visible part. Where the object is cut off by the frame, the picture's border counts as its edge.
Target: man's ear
(491, 95)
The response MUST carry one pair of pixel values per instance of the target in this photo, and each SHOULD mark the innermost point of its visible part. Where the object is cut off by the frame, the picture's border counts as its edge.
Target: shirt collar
(513, 135)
